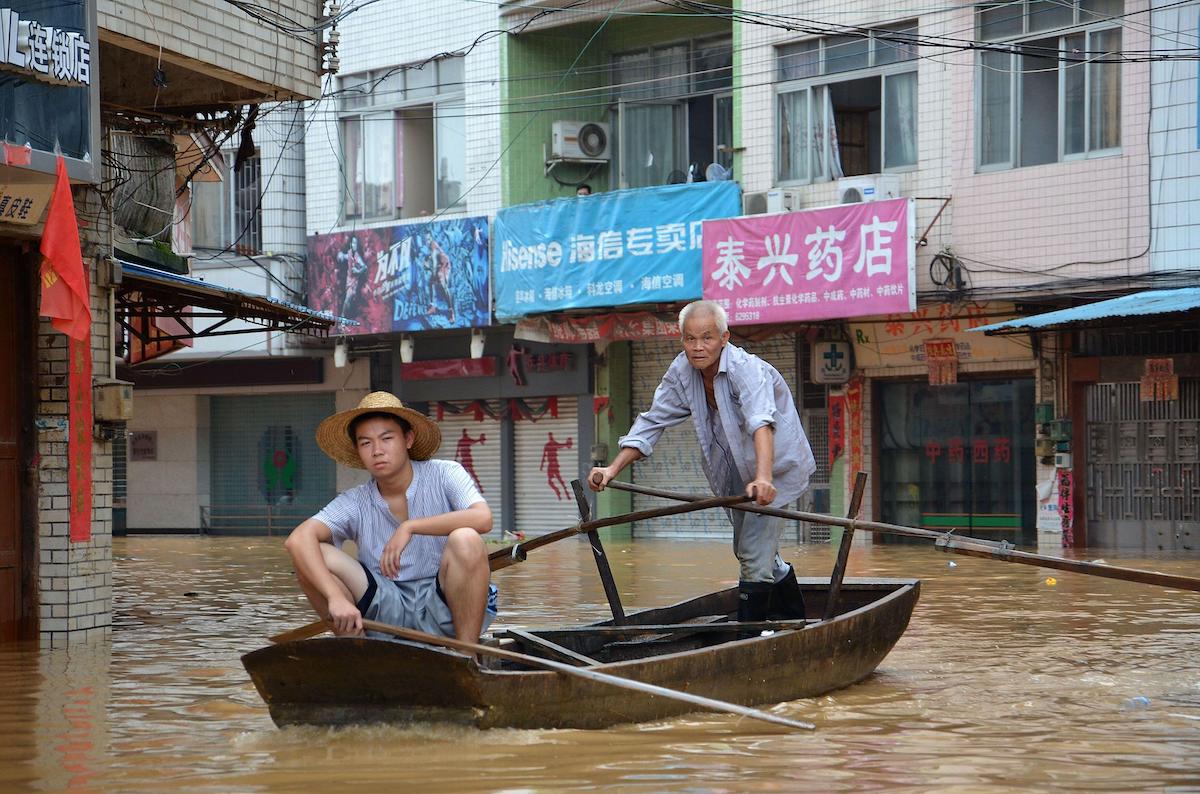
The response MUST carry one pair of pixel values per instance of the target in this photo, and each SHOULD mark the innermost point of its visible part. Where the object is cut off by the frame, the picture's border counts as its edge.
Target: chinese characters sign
(410, 277)
(900, 340)
(46, 52)
(845, 261)
(610, 249)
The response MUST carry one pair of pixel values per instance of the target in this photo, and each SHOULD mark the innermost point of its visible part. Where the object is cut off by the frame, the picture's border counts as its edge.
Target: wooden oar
(587, 673)
(974, 547)
(511, 555)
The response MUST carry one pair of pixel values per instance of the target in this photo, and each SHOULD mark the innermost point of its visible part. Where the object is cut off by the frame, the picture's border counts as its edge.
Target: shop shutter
(546, 453)
(267, 473)
(675, 464)
(472, 437)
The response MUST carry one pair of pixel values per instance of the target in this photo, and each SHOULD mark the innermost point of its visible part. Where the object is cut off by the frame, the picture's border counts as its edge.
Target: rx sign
(831, 362)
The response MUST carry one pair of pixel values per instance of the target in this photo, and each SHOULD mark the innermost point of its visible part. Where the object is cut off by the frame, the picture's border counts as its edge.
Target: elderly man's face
(702, 342)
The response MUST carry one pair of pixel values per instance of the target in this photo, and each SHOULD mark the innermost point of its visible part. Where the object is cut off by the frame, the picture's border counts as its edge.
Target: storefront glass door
(959, 457)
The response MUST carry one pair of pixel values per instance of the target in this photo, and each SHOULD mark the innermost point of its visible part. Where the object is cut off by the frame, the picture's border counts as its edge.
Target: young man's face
(702, 341)
(382, 446)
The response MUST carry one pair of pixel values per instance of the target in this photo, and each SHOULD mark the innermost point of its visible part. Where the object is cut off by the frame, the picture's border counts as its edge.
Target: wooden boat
(339, 681)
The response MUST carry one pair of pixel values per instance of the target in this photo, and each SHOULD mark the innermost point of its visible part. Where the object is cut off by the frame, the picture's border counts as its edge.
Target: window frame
(1060, 36)
(392, 101)
(681, 127)
(826, 79)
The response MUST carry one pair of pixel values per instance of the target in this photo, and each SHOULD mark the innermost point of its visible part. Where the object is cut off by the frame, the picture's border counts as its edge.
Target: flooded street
(1002, 680)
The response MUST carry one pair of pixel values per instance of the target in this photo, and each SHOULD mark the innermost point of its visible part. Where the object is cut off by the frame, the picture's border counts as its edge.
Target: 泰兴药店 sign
(45, 52)
(846, 261)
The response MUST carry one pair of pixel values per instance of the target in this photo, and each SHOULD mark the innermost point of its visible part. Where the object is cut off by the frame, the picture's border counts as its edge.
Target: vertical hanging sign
(79, 446)
(854, 397)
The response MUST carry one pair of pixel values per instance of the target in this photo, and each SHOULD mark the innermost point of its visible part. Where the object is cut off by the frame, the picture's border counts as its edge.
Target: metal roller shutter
(268, 474)
(473, 439)
(546, 455)
(675, 464)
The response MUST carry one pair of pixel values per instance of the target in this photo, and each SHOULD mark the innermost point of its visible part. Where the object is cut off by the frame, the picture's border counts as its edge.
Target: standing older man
(751, 441)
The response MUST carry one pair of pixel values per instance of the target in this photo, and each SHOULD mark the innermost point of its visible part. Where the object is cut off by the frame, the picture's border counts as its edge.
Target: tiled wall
(220, 35)
(74, 578)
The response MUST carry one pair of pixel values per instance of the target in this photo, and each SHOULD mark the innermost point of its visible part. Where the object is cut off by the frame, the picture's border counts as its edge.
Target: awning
(1153, 303)
(146, 297)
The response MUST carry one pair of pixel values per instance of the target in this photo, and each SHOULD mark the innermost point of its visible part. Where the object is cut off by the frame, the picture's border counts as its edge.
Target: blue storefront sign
(610, 249)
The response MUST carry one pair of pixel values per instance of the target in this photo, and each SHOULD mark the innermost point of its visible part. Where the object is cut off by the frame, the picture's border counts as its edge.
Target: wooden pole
(948, 542)
(589, 674)
(602, 567)
(839, 568)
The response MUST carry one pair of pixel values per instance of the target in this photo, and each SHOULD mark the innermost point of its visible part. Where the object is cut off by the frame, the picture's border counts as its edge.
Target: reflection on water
(1001, 680)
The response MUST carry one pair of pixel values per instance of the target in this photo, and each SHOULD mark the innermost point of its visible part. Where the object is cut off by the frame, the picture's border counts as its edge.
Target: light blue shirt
(750, 394)
(361, 514)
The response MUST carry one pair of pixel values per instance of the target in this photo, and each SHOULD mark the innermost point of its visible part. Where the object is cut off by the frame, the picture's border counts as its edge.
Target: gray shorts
(414, 604)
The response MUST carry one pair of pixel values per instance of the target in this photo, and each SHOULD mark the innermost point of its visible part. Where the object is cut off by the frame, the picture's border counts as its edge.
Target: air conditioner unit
(770, 201)
(579, 140)
(870, 187)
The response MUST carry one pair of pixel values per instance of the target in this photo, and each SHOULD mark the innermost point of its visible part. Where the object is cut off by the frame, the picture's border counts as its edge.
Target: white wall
(1174, 149)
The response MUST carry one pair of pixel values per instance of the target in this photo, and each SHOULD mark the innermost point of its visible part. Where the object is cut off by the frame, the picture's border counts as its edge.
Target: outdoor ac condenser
(579, 140)
(869, 187)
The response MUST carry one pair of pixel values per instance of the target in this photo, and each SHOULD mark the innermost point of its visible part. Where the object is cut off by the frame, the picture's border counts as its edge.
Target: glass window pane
(713, 65)
(352, 165)
(1074, 103)
(354, 91)
(900, 120)
(388, 86)
(1049, 15)
(450, 75)
(631, 75)
(724, 131)
(1104, 92)
(422, 82)
(844, 53)
(792, 136)
(1037, 123)
(797, 61)
(451, 152)
(899, 48)
(995, 108)
(650, 145)
(1095, 10)
(999, 20)
(379, 164)
(670, 72)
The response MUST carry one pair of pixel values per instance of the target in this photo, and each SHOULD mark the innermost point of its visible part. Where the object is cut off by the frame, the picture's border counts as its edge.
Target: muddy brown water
(1002, 682)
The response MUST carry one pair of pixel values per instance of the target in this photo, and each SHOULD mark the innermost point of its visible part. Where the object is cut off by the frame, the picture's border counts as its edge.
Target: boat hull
(338, 681)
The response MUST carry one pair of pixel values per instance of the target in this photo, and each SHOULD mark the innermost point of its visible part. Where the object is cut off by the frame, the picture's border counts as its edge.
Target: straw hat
(333, 435)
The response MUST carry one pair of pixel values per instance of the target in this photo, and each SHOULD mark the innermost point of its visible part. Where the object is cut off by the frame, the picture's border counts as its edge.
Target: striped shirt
(361, 514)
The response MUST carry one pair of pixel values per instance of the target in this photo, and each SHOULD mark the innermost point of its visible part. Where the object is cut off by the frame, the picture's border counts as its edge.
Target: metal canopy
(1139, 304)
(148, 295)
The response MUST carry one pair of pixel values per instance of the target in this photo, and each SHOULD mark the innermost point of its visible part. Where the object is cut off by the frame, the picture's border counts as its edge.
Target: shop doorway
(14, 611)
(958, 457)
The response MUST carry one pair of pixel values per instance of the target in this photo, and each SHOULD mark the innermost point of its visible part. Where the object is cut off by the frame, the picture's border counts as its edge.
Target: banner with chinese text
(899, 340)
(846, 261)
(409, 277)
(609, 249)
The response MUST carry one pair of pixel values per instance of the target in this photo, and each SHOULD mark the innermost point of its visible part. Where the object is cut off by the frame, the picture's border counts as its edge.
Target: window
(403, 136)
(674, 114)
(226, 210)
(1050, 98)
(828, 125)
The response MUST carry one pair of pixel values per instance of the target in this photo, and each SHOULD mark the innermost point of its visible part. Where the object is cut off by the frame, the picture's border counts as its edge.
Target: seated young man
(418, 525)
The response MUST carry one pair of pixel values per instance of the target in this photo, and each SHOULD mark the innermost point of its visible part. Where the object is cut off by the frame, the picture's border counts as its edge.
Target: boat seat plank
(555, 650)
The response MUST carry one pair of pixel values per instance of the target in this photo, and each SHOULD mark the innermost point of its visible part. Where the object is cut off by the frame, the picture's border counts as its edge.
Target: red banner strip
(79, 445)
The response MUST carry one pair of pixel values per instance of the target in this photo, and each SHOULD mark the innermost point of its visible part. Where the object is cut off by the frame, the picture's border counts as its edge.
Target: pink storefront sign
(847, 261)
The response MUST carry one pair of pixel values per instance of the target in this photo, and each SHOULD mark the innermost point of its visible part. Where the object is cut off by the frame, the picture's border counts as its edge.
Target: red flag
(64, 281)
